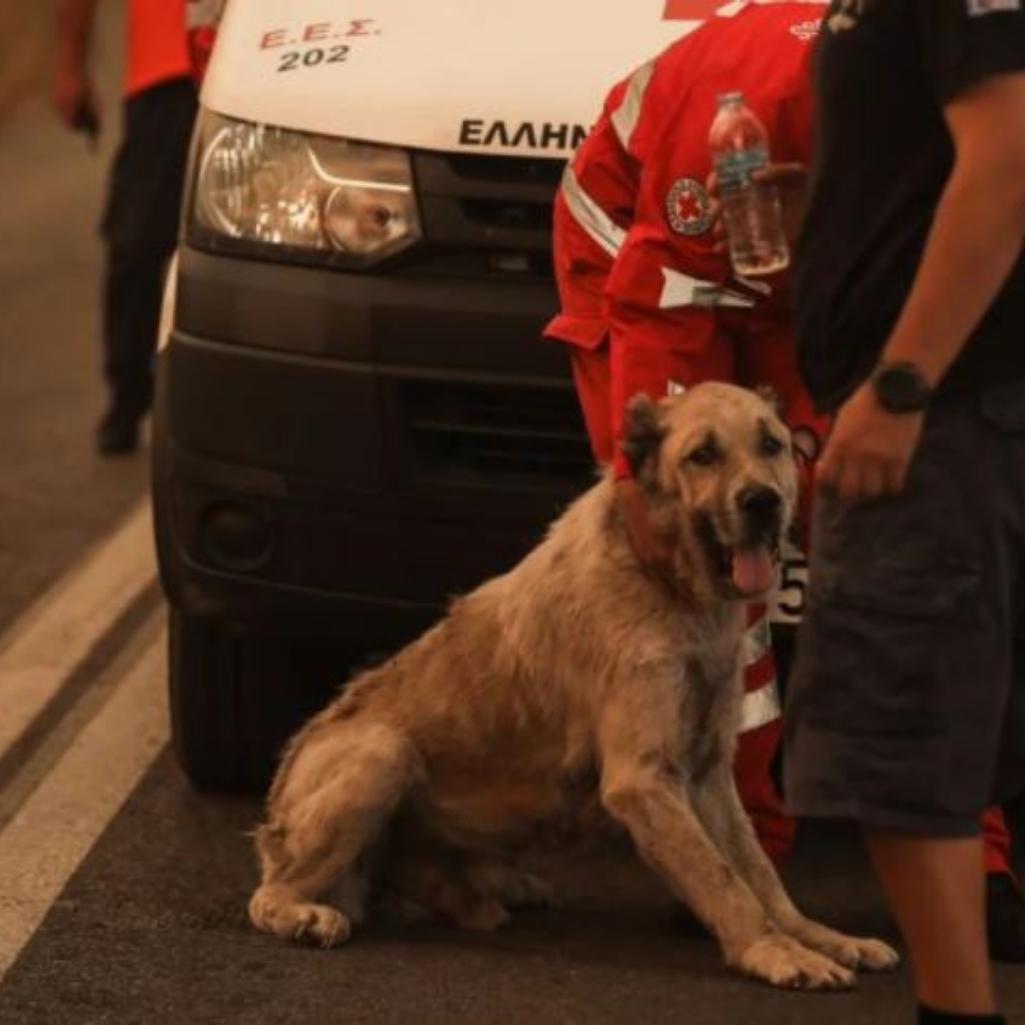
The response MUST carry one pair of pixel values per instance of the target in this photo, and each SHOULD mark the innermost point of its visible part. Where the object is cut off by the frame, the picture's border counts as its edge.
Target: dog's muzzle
(761, 509)
(748, 562)
(754, 561)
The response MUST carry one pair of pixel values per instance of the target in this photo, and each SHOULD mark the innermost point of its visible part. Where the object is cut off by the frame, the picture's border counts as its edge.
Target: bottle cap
(732, 97)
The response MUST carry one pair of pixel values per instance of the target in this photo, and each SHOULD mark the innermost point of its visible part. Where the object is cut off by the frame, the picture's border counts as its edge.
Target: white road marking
(43, 845)
(44, 646)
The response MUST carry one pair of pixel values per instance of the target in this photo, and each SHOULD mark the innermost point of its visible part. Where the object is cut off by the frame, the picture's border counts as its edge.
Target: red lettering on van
(273, 39)
(319, 30)
(361, 27)
(690, 10)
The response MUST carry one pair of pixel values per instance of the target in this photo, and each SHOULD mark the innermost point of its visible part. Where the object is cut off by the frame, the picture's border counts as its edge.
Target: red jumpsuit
(648, 305)
(168, 39)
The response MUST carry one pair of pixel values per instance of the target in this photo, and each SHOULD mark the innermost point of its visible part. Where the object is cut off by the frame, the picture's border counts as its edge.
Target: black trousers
(140, 227)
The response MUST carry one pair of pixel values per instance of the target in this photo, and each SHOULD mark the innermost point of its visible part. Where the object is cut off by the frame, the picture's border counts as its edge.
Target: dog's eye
(704, 456)
(771, 445)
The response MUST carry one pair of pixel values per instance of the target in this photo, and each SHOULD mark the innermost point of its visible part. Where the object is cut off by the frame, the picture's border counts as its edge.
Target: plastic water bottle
(752, 212)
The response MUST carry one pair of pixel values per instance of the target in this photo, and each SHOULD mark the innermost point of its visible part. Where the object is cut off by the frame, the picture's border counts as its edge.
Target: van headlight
(272, 188)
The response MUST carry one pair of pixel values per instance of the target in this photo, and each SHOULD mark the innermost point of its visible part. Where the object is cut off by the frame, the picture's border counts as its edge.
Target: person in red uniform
(168, 44)
(649, 304)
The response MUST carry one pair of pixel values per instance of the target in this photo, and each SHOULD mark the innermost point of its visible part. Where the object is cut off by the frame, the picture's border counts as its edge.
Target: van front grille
(516, 170)
(487, 215)
(475, 433)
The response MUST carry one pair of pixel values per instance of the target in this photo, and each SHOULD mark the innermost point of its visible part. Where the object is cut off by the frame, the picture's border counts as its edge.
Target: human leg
(591, 377)
(896, 705)
(934, 887)
(140, 229)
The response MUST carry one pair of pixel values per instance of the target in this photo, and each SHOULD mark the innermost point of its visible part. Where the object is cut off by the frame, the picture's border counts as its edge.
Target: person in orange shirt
(168, 43)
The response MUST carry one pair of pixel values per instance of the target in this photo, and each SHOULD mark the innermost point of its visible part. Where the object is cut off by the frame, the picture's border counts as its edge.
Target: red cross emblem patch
(689, 207)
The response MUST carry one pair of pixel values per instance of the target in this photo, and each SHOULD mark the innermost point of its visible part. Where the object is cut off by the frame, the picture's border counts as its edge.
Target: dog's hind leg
(441, 885)
(505, 882)
(427, 869)
(338, 788)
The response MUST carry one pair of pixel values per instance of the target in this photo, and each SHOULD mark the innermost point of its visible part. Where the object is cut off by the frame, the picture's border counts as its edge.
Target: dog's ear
(770, 397)
(644, 432)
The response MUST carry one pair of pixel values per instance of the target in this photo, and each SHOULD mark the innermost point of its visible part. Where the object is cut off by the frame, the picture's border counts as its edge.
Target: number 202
(311, 58)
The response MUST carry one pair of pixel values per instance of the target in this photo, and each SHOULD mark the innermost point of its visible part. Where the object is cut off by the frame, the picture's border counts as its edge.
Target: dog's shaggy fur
(579, 676)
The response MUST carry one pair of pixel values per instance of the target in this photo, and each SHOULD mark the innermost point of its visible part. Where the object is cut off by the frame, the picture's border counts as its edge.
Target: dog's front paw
(851, 951)
(783, 962)
(321, 925)
(272, 911)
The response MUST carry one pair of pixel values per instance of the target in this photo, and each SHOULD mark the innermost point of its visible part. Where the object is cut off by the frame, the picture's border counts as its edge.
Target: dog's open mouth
(749, 570)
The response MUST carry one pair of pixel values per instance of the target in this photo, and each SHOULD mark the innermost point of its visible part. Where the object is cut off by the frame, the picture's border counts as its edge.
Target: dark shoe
(118, 434)
(1005, 918)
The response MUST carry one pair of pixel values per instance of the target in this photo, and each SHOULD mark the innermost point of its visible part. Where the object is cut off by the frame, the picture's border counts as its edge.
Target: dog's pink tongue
(753, 570)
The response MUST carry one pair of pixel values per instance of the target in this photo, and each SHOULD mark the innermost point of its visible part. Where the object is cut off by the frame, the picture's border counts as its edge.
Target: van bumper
(344, 452)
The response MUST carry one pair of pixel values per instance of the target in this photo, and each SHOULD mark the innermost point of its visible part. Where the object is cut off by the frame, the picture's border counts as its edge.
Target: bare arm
(74, 95)
(978, 230)
(976, 237)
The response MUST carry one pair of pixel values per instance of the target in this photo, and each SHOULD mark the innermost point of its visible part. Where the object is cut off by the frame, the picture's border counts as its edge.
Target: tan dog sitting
(429, 772)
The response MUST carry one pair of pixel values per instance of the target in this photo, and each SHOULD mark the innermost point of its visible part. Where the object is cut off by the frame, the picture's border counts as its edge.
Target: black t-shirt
(884, 71)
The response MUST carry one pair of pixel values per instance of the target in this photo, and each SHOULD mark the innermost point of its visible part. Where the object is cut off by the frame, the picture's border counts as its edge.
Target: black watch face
(901, 390)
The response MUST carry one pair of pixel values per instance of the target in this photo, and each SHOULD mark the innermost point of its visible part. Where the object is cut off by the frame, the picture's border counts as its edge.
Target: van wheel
(235, 700)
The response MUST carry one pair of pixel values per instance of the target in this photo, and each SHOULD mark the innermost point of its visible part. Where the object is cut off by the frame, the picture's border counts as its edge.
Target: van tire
(215, 737)
(236, 698)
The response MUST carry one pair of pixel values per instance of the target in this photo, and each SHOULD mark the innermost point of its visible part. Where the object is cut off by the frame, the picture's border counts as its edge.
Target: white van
(356, 417)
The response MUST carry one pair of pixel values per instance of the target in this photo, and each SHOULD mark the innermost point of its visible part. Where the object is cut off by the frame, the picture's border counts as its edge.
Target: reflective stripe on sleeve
(682, 290)
(760, 708)
(590, 216)
(625, 119)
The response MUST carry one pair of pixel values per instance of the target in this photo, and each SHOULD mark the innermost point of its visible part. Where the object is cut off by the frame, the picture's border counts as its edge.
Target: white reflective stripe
(590, 216)
(756, 286)
(683, 290)
(757, 641)
(625, 119)
(760, 708)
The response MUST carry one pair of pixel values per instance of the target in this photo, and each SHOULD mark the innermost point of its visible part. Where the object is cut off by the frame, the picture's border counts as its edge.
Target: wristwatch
(901, 387)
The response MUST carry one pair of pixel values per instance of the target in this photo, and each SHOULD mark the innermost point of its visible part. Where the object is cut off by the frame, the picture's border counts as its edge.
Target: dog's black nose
(760, 503)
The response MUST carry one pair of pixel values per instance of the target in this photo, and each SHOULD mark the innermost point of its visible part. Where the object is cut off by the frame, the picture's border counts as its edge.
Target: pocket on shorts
(890, 646)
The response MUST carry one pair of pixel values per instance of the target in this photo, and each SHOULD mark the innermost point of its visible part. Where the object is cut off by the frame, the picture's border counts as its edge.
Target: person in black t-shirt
(906, 709)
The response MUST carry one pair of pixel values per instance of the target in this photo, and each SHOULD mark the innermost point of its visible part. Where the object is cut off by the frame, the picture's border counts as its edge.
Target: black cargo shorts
(906, 708)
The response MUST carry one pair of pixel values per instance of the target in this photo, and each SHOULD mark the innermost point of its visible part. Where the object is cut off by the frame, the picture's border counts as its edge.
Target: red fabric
(752, 770)
(691, 345)
(592, 376)
(162, 46)
(765, 52)
(157, 43)
(611, 178)
(996, 842)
